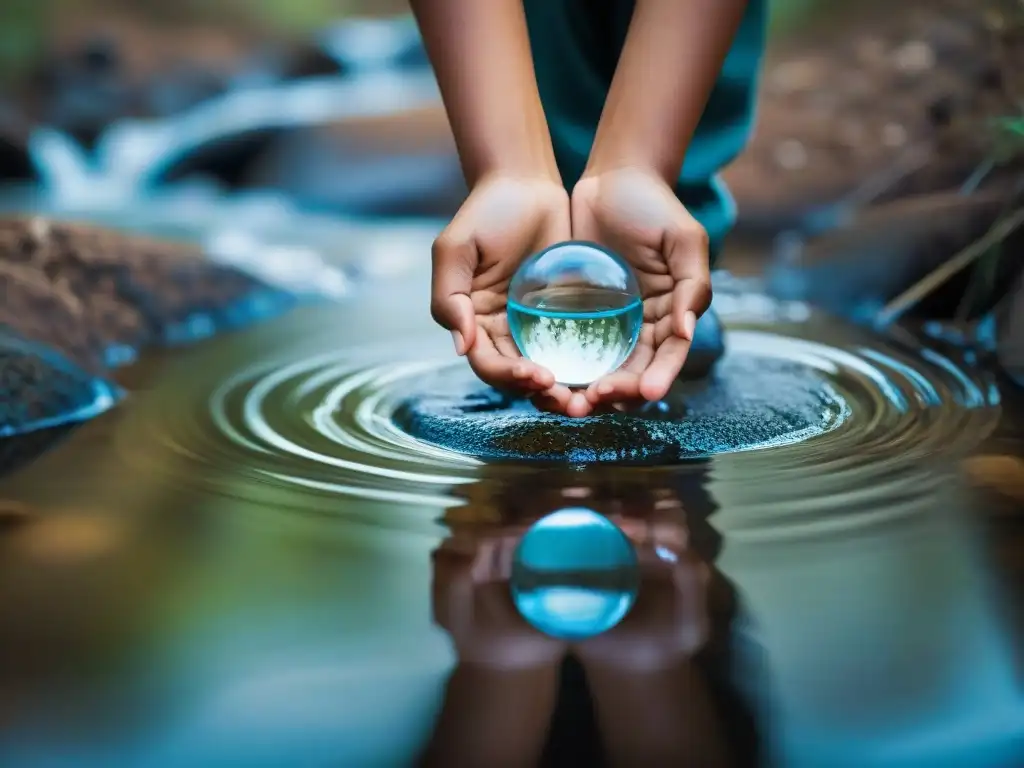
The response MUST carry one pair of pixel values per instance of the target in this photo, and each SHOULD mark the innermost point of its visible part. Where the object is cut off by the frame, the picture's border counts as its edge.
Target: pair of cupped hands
(507, 218)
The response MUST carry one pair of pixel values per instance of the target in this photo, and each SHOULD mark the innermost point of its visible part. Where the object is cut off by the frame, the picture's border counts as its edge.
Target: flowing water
(252, 562)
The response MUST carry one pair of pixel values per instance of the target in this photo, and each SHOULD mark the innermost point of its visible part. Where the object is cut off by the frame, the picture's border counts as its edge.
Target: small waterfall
(122, 182)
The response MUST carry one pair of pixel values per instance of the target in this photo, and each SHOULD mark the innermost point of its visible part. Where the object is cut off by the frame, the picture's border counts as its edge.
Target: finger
(453, 265)
(687, 258)
(508, 549)
(690, 299)
(482, 567)
(503, 372)
(663, 370)
(643, 354)
(663, 329)
(578, 406)
(530, 375)
(555, 399)
(621, 385)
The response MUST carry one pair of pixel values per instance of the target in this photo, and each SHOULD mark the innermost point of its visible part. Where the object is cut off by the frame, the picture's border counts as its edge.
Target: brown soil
(898, 94)
(80, 290)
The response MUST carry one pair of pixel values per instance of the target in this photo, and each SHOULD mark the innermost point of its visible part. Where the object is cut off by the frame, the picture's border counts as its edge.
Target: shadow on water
(243, 553)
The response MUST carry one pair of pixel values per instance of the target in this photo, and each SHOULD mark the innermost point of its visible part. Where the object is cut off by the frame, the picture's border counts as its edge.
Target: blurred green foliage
(23, 25)
(787, 15)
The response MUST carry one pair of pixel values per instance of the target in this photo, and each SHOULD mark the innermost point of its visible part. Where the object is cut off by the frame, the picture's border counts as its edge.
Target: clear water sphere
(576, 310)
(574, 574)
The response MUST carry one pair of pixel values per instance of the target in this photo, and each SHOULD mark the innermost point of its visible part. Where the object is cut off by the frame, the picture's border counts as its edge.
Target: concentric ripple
(795, 391)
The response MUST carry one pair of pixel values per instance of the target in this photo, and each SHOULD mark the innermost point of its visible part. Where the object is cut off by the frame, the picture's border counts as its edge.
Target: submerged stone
(747, 402)
(42, 395)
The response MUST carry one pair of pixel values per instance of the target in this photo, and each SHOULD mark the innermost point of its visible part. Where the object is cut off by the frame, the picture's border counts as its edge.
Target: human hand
(473, 603)
(670, 621)
(636, 214)
(504, 220)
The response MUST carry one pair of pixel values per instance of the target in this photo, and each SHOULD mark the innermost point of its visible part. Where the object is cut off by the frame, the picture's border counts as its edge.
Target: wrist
(607, 163)
(523, 174)
(625, 176)
(527, 160)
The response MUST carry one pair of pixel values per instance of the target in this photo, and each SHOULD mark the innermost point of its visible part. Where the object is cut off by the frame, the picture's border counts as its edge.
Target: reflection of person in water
(501, 697)
(573, 119)
(659, 680)
(655, 688)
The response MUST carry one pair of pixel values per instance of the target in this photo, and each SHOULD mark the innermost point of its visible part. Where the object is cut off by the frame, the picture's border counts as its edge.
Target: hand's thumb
(452, 282)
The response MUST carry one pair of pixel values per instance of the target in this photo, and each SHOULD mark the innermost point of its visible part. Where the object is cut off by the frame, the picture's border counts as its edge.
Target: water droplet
(574, 574)
(576, 310)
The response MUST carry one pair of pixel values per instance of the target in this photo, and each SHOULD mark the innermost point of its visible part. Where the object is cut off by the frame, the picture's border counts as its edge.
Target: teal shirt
(576, 46)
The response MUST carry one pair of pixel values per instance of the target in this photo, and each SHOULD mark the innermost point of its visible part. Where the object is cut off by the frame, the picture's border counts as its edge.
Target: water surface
(251, 563)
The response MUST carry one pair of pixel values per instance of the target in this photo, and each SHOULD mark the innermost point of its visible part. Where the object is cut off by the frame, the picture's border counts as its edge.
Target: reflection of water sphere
(574, 574)
(575, 309)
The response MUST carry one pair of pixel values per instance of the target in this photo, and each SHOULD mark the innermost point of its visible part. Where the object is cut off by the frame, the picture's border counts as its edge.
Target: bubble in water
(575, 309)
(574, 574)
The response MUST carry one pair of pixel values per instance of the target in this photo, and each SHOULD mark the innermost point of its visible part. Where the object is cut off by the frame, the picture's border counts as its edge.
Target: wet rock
(97, 73)
(99, 296)
(78, 299)
(745, 403)
(43, 396)
(707, 348)
(43, 390)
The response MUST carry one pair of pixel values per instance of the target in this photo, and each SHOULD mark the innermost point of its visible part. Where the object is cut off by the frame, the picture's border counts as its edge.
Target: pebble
(894, 135)
(914, 57)
(871, 51)
(791, 155)
(795, 76)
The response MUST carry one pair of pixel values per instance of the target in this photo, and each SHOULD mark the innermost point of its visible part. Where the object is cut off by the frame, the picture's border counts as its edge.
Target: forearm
(669, 64)
(481, 57)
(657, 717)
(493, 718)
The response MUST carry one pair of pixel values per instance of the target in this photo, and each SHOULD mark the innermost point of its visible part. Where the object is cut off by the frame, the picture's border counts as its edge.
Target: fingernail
(460, 343)
(604, 389)
(689, 325)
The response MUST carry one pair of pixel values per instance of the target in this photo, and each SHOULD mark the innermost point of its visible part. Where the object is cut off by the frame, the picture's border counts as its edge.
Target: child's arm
(672, 57)
(517, 204)
(481, 57)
